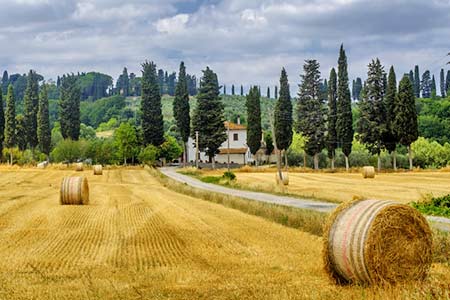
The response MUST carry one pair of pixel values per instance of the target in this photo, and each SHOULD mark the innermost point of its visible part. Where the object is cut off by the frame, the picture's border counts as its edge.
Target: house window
(235, 137)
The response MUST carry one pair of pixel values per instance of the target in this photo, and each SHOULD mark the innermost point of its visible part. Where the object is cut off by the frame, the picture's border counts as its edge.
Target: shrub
(229, 176)
(436, 206)
(149, 155)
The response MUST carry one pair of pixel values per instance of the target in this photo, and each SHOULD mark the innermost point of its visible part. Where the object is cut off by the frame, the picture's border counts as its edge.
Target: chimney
(239, 120)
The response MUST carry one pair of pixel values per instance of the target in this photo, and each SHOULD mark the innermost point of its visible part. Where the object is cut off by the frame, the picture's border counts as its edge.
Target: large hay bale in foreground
(368, 172)
(98, 170)
(79, 167)
(74, 190)
(284, 181)
(376, 242)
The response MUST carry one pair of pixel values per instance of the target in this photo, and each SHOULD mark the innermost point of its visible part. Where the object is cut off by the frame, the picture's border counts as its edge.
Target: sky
(244, 42)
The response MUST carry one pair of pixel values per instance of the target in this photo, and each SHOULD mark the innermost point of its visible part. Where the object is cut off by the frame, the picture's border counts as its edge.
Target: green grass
(435, 206)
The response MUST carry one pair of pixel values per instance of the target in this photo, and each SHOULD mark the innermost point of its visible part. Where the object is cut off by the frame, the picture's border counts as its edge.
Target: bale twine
(368, 172)
(98, 170)
(284, 181)
(376, 242)
(74, 190)
(79, 167)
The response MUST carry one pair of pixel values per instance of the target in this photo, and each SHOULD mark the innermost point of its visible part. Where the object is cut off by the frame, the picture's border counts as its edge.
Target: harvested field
(339, 187)
(139, 240)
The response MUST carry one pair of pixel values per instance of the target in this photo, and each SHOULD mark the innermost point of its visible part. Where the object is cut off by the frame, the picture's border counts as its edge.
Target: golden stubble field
(139, 240)
(339, 187)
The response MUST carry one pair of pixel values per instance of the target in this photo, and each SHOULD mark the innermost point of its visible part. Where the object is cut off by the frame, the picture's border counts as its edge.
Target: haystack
(42, 165)
(376, 242)
(79, 167)
(98, 170)
(368, 172)
(284, 181)
(74, 190)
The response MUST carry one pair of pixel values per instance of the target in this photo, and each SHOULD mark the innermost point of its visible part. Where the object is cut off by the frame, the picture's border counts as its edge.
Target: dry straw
(284, 180)
(376, 242)
(79, 167)
(74, 191)
(368, 172)
(98, 170)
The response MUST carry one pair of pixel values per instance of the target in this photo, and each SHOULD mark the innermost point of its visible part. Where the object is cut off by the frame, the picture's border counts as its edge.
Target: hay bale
(74, 190)
(368, 172)
(376, 242)
(42, 165)
(285, 180)
(79, 167)
(98, 170)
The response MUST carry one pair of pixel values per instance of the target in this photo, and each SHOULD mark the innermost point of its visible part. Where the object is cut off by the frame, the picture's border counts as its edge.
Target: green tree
(21, 133)
(276, 92)
(311, 111)
(242, 90)
(123, 83)
(447, 82)
(126, 141)
(31, 101)
(10, 121)
(254, 130)
(390, 138)
(442, 83)
(372, 122)
(5, 82)
(268, 93)
(332, 117)
(152, 119)
(416, 82)
(181, 110)
(149, 155)
(2, 123)
(426, 84)
(344, 121)
(283, 118)
(405, 121)
(268, 140)
(69, 108)
(433, 87)
(208, 117)
(43, 122)
(170, 149)
(232, 90)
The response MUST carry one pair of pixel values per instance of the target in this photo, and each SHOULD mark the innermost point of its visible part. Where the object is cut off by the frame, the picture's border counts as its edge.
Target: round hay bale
(376, 242)
(42, 165)
(98, 170)
(368, 172)
(74, 191)
(79, 167)
(285, 180)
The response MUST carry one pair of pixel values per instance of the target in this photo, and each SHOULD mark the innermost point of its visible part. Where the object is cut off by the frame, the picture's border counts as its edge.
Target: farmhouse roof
(233, 151)
(234, 126)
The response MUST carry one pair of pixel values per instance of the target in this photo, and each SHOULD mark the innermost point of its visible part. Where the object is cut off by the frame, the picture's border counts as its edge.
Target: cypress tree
(411, 77)
(232, 90)
(344, 122)
(276, 92)
(390, 140)
(405, 121)
(43, 120)
(268, 93)
(242, 90)
(224, 89)
(208, 117)
(311, 111)
(10, 121)
(21, 133)
(416, 81)
(181, 109)
(332, 116)
(31, 100)
(433, 87)
(357, 86)
(426, 85)
(5, 82)
(353, 90)
(447, 83)
(152, 119)
(125, 82)
(372, 122)
(2, 123)
(254, 130)
(283, 117)
(269, 144)
(69, 107)
(442, 84)
(161, 81)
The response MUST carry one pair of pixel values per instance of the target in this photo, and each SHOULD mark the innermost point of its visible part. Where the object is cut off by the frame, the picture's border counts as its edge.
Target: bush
(68, 150)
(149, 155)
(436, 206)
(229, 176)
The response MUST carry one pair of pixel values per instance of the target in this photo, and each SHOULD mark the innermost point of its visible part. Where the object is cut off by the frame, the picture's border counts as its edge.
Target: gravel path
(438, 222)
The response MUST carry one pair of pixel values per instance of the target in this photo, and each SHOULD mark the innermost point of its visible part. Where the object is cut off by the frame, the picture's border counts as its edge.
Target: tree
(372, 122)
(433, 87)
(208, 117)
(426, 84)
(152, 119)
(268, 93)
(10, 121)
(344, 121)
(171, 84)
(254, 130)
(161, 81)
(276, 92)
(123, 83)
(5, 82)
(242, 90)
(332, 117)
(357, 86)
(416, 81)
(126, 141)
(69, 108)
(311, 111)
(31, 101)
(21, 133)
(2, 123)
(224, 89)
(43, 122)
(390, 139)
(181, 110)
(447, 82)
(405, 121)
(411, 77)
(170, 149)
(442, 84)
(283, 118)
(268, 140)
(232, 90)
